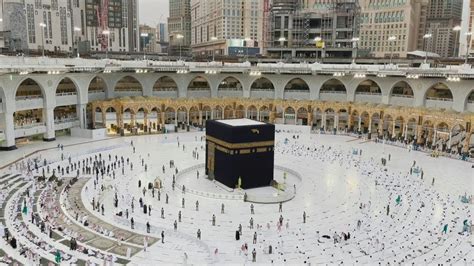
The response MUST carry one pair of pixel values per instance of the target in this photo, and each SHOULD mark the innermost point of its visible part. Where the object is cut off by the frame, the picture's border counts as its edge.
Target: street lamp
(74, 41)
(213, 38)
(106, 33)
(247, 47)
(390, 40)
(179, 37)
(468, 39)
(426, 36)
(144, 35)
(355, 40)
(42, 25)
(316, 40)
(282, 41)
(456, 41)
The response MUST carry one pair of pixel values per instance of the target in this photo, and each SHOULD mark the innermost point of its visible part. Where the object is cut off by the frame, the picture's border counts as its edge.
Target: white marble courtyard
(337, 189)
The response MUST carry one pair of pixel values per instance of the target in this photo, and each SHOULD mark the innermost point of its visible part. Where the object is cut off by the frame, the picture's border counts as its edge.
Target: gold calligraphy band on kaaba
(246, 145)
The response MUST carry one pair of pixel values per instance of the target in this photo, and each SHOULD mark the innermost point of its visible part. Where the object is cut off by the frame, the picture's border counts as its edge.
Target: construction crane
(102, 10)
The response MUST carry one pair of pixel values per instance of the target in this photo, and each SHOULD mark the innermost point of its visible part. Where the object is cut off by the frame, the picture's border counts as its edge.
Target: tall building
(391, 28)
(66, 25)
(470, 38)
(148, 39)
(442, 17)
(295, 25)
(226, 27)
(122, 24)
(162, 38)
(179, 24)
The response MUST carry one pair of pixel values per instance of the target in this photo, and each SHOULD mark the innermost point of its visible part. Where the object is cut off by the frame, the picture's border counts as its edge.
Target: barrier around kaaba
(240, 152)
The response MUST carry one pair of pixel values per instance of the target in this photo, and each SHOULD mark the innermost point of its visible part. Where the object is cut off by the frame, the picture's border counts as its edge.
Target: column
(449, 141)
(310, 119)
(246, 113)
(258, 114)
(132, 119)
(296, 118)
(162, 119)
(284, 118)
(104, 119)
(187, 118)
(212, 113)
(381, 122)
(48, 115)
(370, 124)
(336, 122)
(359, 124)
(81, 113)
(324, 122)
(176, 118)
(9, 131)
(406, 131)
(93, 118)
(200, 117)
(393, 129)
(145, 122)
(434, 137)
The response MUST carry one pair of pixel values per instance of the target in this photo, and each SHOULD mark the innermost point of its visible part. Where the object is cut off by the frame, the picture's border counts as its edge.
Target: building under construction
(312, 28)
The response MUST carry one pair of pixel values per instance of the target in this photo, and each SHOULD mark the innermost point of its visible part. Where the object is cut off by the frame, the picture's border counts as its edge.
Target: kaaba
(240, 148)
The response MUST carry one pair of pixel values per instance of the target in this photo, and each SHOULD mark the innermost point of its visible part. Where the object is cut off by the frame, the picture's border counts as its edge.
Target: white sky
(152, 12)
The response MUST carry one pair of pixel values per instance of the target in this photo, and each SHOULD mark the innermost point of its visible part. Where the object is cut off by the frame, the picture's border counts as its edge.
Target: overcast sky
(153, 11)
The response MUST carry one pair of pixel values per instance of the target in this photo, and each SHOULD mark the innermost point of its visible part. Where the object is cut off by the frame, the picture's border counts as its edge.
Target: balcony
(230, 92)
(29, 129)
(339, 96)
(368, 97)
(28, 102)
(262, 94)
(439, 102)
(402, 100)
(67, 98)
(199, 93)
(96, 95)
(128, 93)
(297, 95)
(66, 123)
(166, 93)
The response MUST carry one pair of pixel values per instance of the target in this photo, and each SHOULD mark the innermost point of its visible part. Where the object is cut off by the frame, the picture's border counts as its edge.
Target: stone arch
(218, 112)
(333, 85)
(469, 102)
(289, 116)
(170, 115)
(230, 83)
(439, 91)
(199, 83)
(129, 86)
(206, 113)
(302, 116)
(252, 112)
(96, 89)
(66, 87)
(296, 84)
(165, 83)
(401, 89)
(182, 114)
(228, 112)
(240, 111)
(264, 113)
(194, 115)
(262, 83)
(29, 88)
(369, 87)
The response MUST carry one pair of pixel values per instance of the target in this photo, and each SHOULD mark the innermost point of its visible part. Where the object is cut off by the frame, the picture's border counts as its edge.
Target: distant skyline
(152, 12)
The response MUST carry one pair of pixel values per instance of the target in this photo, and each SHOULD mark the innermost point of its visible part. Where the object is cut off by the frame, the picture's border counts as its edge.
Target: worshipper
(199, 234)
(162, 237)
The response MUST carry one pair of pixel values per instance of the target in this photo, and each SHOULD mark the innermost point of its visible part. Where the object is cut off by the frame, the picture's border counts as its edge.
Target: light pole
(456, 41)
(213, 38)
(316, 41)
(247, 47)
(42, 25)
(426, 36)
(390, 40)
(468, 39)
(144, 36)
(355, 40)
(179, 37)
(106, 33)
(282, 41)
(74, 41)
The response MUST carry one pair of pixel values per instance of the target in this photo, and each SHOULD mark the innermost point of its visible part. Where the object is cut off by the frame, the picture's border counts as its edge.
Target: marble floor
(342, 186)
